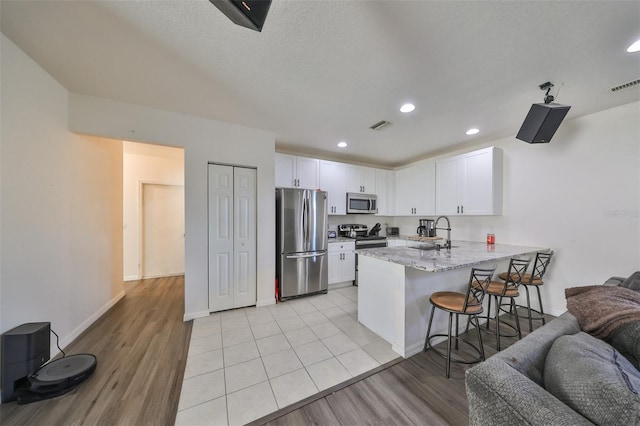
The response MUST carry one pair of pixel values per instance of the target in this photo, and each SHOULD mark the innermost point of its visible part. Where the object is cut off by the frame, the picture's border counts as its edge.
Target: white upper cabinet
(415, 190)
(296, 172)
(361, 179)
(385, 190)
(333, 179)
(470, 184)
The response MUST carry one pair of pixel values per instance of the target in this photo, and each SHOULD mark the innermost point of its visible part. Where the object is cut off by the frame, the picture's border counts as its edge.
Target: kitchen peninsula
(395, 283)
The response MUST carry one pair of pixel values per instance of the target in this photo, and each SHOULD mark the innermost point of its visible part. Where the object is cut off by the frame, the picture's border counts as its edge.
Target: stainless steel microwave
(362, 203)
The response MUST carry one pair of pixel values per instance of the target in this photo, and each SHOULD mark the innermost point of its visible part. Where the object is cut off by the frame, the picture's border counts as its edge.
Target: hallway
(141, 345)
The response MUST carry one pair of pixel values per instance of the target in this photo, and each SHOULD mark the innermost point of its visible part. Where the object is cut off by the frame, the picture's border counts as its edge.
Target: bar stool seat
(455, 303)
(526, 280)
(452, 301)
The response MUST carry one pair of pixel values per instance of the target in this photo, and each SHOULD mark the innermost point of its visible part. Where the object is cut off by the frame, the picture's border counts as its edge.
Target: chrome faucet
(447, 243)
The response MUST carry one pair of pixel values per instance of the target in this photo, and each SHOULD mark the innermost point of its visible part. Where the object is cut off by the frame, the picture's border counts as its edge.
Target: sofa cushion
(592, 378)
(626, 339)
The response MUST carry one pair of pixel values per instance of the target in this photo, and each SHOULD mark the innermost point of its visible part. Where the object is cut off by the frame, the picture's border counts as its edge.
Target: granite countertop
(463, 254)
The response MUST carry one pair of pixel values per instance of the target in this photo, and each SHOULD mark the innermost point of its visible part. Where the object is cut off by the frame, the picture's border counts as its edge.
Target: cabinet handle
(462, 209)
(457, 209)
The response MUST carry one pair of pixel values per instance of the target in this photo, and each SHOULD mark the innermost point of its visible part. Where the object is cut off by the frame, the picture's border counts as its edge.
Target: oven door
(361, 203)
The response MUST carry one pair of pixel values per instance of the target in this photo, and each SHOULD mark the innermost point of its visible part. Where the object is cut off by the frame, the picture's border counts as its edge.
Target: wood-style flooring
(141, 345)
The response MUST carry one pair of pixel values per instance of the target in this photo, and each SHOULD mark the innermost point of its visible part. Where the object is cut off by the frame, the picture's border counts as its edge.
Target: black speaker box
(542, 122)
(24, 349)
(246, 13)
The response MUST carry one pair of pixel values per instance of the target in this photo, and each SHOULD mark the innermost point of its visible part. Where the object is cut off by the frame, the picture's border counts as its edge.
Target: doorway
(159, 169)
(162, 230)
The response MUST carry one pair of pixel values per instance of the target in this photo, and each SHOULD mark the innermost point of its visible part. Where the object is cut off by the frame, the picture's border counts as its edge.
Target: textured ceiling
(323, 71)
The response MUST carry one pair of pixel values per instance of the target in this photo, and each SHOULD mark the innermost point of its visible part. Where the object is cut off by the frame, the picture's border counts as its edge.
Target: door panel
(220, 237)
(244, 226)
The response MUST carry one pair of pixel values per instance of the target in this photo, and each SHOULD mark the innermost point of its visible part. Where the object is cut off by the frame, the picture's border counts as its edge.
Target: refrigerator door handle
(306, 219)
(303, 256)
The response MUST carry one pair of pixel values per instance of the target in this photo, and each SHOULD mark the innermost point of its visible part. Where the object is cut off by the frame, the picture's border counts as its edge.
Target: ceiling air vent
(625, 85)
(379, 125)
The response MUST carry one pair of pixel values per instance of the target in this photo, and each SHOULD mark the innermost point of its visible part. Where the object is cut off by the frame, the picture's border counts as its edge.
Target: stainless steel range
(363, 237)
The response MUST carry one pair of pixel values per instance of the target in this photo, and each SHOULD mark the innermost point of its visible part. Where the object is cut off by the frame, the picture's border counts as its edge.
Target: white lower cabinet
(342, 262)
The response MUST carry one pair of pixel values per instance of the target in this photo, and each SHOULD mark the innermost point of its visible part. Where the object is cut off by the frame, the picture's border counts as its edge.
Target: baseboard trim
(131, 278)
(188, 316)
(86, 324)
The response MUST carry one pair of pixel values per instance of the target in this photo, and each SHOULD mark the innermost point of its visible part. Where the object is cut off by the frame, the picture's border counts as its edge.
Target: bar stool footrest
(455, 359)
(492, 331)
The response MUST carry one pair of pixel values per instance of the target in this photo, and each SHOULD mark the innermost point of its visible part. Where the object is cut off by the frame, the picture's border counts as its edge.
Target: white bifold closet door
(232, 237)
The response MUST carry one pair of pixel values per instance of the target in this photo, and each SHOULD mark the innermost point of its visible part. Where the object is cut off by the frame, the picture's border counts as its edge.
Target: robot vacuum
(55, 378)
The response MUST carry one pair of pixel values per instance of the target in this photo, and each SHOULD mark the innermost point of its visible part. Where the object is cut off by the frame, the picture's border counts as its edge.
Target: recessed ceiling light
(342, 144)
(407, 108)
(472, 131)
(635, 47)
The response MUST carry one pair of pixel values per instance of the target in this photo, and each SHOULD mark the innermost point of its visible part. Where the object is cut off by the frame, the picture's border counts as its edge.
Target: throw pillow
(626, 339)
(593, 379)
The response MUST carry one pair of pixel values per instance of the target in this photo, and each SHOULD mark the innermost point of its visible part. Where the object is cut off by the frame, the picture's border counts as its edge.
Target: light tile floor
(246, 363)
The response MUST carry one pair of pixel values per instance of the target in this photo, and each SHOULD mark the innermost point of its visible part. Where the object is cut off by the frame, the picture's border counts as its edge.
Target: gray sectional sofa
(560, 375)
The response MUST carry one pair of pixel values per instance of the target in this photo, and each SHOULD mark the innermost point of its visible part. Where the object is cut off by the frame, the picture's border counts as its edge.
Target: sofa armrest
(527, 356)
(500, 395)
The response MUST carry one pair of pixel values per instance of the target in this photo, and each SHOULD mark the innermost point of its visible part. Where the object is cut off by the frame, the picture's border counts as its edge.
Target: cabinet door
(307, 172)
(368, 179)
(385, 192)
(349, 266)
(285, 171)
(477, 185)
(354, 179)
(425, 192)
(334, 266)
(333, 180)
(361, 179)
(406, 191)
(448, 197)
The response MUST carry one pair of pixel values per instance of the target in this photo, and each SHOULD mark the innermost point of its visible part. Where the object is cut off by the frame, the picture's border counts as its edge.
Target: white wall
(204, 141)
(144, 163)
(579, 195)
(61, 204)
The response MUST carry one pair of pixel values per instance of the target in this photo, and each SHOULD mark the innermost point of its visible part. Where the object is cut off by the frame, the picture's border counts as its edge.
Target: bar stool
(534, 279)
(509, 289)
(469, 304)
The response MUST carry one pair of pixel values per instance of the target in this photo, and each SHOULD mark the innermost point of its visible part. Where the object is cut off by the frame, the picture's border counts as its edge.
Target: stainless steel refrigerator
(301, 241)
